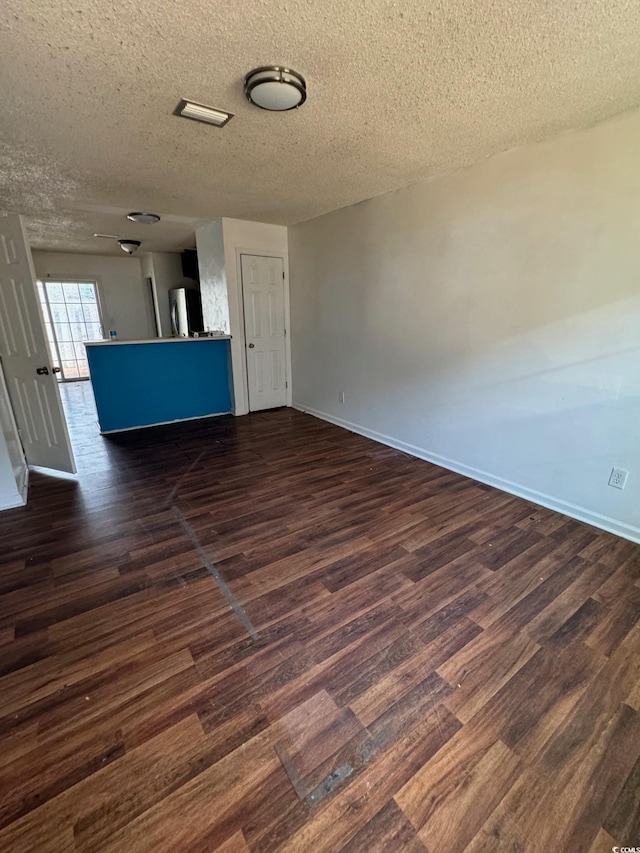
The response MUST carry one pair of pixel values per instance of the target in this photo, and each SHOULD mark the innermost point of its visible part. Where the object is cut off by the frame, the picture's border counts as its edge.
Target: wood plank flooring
(269, 634)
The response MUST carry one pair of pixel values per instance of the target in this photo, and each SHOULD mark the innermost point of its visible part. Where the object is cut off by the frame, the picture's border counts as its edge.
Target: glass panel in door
(71, 311)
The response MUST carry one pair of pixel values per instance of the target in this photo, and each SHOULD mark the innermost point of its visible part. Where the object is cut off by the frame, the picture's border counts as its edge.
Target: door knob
(56, 370)
(251, 346)
(42, 371)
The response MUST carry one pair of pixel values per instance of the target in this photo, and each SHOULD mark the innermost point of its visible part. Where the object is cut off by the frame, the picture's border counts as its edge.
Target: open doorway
(72, 315)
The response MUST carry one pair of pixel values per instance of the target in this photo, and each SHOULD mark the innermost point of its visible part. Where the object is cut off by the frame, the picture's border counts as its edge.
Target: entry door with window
(71, 311)
(263, 296)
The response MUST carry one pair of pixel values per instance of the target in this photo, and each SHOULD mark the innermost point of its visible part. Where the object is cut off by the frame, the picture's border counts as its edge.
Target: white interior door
(263, 296)
(32, 385)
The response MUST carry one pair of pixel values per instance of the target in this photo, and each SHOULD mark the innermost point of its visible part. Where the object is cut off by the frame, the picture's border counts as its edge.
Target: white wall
(146, 270)
(126, 302)
(220, 245)
(165, 271)
(489, 321)
(213, 277)
(13, 467)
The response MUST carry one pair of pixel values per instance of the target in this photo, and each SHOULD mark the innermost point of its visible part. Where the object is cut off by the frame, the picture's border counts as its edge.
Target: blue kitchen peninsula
(159, 381)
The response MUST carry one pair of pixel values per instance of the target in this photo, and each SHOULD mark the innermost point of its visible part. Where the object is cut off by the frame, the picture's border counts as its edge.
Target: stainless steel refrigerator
(186, 311)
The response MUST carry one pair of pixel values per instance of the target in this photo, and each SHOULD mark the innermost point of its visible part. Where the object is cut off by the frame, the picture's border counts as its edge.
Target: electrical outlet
(341, 397)
(618, 478)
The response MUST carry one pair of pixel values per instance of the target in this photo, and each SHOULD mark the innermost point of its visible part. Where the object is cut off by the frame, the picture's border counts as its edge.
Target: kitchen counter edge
(156, 341)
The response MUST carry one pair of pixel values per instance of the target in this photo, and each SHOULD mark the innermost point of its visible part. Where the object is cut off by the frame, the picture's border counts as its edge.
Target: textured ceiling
(398, 92)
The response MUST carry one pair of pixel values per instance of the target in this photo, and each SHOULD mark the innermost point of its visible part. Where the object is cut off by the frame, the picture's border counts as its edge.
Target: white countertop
(157, 341)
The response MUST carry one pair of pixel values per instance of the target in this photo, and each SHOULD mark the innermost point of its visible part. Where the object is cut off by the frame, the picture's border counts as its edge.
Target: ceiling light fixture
(200, 112)
(143, 218)
(129, 246)
(273, 87)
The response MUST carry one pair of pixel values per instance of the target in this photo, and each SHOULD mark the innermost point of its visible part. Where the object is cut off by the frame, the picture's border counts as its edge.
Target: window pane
(80, 352)
(54, 291)
(67, 351)
(88, 293)
(94, 331)
(59, 313)
(91, 314)
(77, 331)
(71, 292)
(63, 332)
(75, 312)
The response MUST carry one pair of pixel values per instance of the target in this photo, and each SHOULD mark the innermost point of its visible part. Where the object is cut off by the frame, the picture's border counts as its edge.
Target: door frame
(244, 312)
(236, 317)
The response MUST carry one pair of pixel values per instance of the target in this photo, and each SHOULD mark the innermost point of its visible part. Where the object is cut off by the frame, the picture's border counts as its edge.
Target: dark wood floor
(270, 634)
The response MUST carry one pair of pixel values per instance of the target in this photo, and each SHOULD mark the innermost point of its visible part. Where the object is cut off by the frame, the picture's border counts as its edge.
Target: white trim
(54, 472)
(13, 503)
(165, 423)
(20, 499)
(284, 257)
(146, 263)
(602, 522)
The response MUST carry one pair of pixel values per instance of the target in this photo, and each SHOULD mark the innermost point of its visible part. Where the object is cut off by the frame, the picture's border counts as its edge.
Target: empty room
(320, 445)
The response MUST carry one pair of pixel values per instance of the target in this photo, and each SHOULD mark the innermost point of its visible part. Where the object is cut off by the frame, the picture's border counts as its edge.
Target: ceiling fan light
(129, 246)
(272, 87)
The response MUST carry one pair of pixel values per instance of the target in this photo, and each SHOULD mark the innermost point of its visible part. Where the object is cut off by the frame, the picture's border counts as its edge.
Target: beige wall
(489, 320)
(126, 303)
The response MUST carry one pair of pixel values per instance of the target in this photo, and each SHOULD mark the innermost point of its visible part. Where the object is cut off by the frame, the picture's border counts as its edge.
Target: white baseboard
(602, 522)
(20, 497)
(11, 503)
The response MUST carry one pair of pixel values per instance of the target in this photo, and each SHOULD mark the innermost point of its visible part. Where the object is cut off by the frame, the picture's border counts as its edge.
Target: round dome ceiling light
(129, 246)
(272, 87)
(143, 218)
